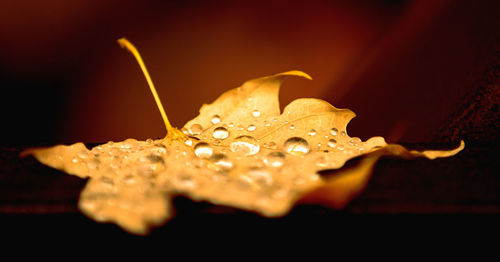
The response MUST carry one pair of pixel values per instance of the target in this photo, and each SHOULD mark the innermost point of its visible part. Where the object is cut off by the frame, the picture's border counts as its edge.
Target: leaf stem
(124, 43)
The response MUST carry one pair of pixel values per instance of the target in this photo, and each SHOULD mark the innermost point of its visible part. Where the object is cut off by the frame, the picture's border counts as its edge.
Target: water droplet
(260, 176)
(203, 150)
(222, 162)
(93, 163)
(129, 180)
(83, 155)
(296, 146)
(185, 181)
(215, 119)
(188, 142)
(267, 124)
(270, 145)
(322, 161)
(334, 131)
(149, 141)
(292, 126)
(220, 133)
(195, 129)
(74, 160)
(155, 158)
(251, 128)
(343, 133)
(230, 124)
(275, 159)
(245, 183)
(332, 143)
(149, 170)
(275, 120)
(312, 132)
(130, 143)
(340, 147)
(355, 141)
(161, 150)
(256, 113)
(348, 151)
(185, 131)
(240, 127)
(246, 145)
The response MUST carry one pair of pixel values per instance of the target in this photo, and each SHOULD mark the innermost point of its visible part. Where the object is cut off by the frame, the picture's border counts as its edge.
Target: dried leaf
(240, 152)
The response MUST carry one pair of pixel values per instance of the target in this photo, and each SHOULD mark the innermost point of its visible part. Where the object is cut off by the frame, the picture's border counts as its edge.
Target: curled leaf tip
(433, 154)
(295, 73)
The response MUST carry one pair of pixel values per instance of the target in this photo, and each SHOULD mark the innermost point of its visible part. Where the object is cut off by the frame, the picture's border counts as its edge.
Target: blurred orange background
(402, 66)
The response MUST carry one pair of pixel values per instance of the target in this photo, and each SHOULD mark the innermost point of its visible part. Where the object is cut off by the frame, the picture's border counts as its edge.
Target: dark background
(417, 72)
(403, 66)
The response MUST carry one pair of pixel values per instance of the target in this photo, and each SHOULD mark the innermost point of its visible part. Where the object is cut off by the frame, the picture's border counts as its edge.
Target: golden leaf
(240, 152)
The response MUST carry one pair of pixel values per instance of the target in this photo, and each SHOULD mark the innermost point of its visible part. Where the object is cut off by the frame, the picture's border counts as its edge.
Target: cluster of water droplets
(254, 172)
(242, 142)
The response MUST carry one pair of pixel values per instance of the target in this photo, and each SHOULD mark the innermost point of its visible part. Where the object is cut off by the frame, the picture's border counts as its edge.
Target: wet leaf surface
(239, 152)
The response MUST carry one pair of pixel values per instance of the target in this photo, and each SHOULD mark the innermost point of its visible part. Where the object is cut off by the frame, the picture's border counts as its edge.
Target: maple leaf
(240, 151)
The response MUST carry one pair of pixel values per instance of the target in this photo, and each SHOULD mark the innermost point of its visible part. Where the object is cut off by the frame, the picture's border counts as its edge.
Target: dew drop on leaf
(270, 145)
(332, 143)
(260, 176)
(185, 181)
(222, 162)
(292, 126)
(203, 150)
(275, 159)
(312, 132)
(355, 141)
(256, 113)
(215, 119)
(296, 146)
(348, 152)
(251, 128)
(159, 150)
(334, 131)
(155, 158)
(195, 129)
(93, 164)
(220, 133)
(321, 161)
(246, 145)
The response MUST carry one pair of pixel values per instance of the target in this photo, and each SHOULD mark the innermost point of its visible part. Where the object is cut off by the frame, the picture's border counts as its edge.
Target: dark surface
(478, 118)
(418, 193)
